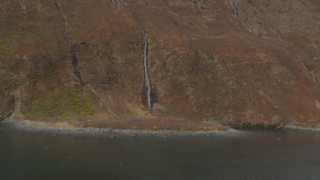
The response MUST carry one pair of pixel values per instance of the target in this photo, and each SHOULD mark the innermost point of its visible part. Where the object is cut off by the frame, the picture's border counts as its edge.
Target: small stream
(281, 154)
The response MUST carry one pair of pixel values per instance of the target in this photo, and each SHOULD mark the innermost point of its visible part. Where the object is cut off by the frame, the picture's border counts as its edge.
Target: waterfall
(116, 3)
(234, 8)
(147, 82)
(236, 13)
(16, 108)
(245, 24)
(149, 96)
(16, 111)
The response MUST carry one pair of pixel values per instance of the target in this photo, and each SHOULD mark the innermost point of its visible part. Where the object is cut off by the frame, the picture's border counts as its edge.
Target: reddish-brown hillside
(239, 62)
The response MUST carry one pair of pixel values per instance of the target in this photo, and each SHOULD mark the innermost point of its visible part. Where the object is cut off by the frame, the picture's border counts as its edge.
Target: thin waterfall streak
(235, 8)
(243, 21)
(116, 3)
(245, 24)
(17, 104)
(146, 73)
(16, 108)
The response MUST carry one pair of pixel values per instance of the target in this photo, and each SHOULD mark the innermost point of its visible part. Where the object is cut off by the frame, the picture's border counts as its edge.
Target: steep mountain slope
(237, 62)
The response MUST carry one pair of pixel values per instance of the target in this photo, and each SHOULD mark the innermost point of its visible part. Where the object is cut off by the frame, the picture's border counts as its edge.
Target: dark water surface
(256, 155)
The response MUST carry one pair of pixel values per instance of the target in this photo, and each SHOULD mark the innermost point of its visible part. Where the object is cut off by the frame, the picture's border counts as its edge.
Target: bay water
(283, 154)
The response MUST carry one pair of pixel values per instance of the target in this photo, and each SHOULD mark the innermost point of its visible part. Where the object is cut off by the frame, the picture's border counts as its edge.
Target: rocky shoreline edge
(301, 128)
(276, 126)
(56, 130)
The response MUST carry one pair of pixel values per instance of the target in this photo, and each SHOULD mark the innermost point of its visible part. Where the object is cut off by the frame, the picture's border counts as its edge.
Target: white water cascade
(235, 8)
(116, 3)
(236, 13)
(147, 84)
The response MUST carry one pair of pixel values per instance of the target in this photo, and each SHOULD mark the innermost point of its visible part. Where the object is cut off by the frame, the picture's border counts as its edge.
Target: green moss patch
(67, 105)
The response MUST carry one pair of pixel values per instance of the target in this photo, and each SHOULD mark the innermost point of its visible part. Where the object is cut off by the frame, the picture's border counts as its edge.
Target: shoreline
(56, 130)
(67, 129)
(301, 128)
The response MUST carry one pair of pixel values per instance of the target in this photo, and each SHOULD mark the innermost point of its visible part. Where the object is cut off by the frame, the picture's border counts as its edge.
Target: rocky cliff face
(230, 61)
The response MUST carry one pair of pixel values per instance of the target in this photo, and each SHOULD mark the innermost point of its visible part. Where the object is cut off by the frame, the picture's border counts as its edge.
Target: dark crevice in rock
(66, 33)
(149, 96)
(72, 53)
(75, 66)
